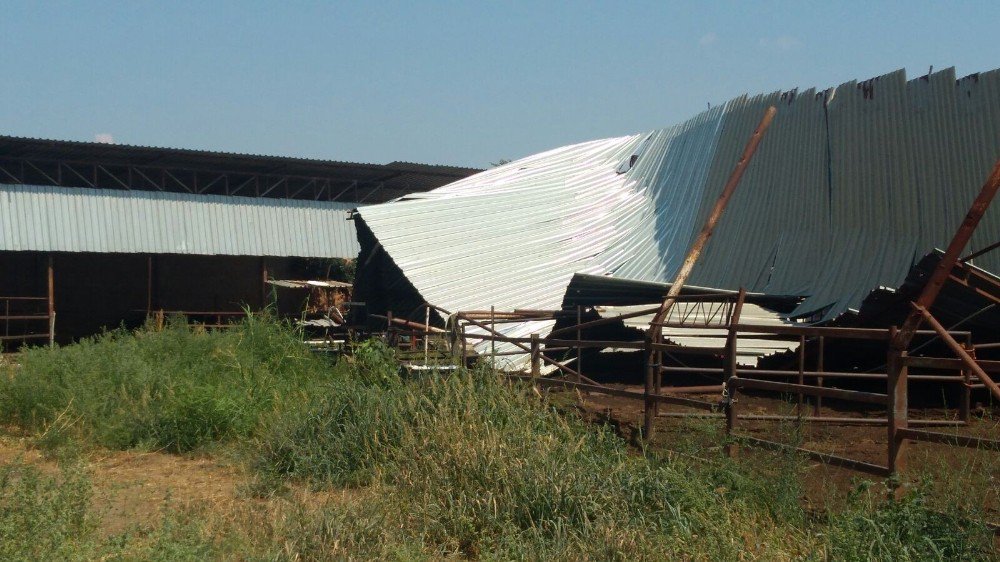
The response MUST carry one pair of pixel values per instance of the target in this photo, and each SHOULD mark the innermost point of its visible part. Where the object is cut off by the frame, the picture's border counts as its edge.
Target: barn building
(97, 235)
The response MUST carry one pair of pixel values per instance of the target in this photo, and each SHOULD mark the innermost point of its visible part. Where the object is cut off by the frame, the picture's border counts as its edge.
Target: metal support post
(649, 412)
(818, 400)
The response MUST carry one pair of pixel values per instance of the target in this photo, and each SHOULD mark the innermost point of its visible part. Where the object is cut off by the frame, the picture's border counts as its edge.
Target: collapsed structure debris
(852, 185)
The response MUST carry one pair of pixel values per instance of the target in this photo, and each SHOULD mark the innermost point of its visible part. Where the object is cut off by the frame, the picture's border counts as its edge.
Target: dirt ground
(132, 488)
(971, 472)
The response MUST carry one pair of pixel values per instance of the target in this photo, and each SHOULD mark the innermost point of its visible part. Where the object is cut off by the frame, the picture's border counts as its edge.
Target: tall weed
(176, 389)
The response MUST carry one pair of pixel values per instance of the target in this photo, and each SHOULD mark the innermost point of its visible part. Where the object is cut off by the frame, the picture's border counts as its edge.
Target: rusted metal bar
(978, 253)
(802, 370)
(827, 420)
(689, 349)
(818, 400)
(941, 273)
(519, 345)
(825, 458)
(837, 393)
(878, 334)
(536, 360)
(51, 301)
(605, 321)
(493, 342)
(705, 389)
(948, 439)
(898, 390)
(427, 330)
(600, 389)
(649, 407)
(409, 324)
(713, 218)
(957, 348)
(950, 363)
(563, 343)
(579, 350)
(965, 402)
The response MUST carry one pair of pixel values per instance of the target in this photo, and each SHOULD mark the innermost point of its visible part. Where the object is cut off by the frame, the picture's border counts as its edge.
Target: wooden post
(818, 400)
(493, 342)
(51, 301)
(649, 412)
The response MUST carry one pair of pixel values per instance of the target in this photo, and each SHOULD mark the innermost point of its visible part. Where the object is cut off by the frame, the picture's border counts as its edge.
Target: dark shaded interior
(93, 292)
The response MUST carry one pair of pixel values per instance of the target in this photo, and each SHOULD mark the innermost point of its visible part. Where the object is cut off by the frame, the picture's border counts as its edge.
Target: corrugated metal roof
(58, 219)
(748, 350)
(848, 188)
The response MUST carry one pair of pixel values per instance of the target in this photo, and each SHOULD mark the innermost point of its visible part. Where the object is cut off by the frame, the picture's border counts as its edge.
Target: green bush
(176, 389)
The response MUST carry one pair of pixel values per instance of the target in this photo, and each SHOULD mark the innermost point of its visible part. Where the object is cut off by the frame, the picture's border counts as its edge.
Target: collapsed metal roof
(849, 187)
(61, 219)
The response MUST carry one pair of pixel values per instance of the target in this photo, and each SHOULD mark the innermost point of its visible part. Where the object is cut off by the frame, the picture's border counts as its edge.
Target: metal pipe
(941, 273)
(956, 347)
(713, 218)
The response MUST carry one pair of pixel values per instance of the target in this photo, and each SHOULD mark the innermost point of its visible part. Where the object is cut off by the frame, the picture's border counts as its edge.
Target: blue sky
(462, 83)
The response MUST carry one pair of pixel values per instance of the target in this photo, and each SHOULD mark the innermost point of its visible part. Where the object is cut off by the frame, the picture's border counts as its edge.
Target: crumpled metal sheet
(848, 188)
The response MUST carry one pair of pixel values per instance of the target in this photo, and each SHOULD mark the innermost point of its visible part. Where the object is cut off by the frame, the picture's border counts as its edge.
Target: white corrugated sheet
(59, 219)
(849, 186)
(748, 350)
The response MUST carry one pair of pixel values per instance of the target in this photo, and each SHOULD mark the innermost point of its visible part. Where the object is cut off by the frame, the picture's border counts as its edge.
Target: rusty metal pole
(388, 328)
(579, 349)
(713, 218)
(802, 373)
(149, 285)
(896, 392)
(536, 360)
(51, 301)
(648, 411)
(958, 350)
(965, 399)
(818, 400)
(427, 332)
(493, 342)
(951, 255)
(720, 206)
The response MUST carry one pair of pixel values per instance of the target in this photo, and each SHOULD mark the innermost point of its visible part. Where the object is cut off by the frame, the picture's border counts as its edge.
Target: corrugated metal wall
(848, 188)
(58, 219)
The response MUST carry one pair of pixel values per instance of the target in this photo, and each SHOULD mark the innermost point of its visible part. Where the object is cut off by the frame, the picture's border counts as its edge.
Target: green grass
(176, 389)
(463, 465)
